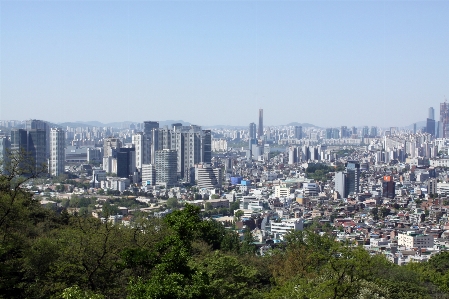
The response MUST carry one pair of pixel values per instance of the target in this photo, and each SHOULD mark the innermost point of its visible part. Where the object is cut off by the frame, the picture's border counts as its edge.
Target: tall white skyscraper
(57, 152)
(142, 146)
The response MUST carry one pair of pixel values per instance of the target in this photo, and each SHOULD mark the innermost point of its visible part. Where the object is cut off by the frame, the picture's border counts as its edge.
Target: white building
(57, 151)
(413, 239)
(208, 177)
(280, 229)
(142, 148)
(148, 174)
(281, 191)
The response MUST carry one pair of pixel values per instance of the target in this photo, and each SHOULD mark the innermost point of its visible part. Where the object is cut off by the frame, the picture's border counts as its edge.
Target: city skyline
(324, 63)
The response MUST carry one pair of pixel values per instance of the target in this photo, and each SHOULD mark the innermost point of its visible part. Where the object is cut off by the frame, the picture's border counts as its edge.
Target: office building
(166, 167)
(444, 118)
(260, 124)
(32, 144)
(365, 131)
(149, 126)
(329, 133)
(388, 187)
(35, 124)
(340, 184)
(57, 151)
(5, 147)
(430, 127)
(148, 175)
(142, 147)
(431, 113)
(373, 132)
(110, 148)
(352, 180)
(344, 132)
(298, 132)
(126, 162)
(252, 132)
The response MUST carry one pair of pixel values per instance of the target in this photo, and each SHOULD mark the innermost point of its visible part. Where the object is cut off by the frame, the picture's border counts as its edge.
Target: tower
(252, 131)
(431, 113)
(298, 132)
(352, 181)
(260, 124)
(57, 153)
(444, 118)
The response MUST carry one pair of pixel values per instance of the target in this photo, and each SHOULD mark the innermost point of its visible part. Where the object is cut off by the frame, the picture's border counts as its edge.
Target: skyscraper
(142, 147)
(444, 118)
(40, 125)
(430, 127)
(352, 177)
(298, 132)
(5, 147)
(340, 184)
(260, 124)
(252, 131)
(57, 153)
(37, 149)
(431, 113)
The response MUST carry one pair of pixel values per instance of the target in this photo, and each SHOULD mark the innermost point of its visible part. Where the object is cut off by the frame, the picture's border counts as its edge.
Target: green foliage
(172, 203)
(76, 293)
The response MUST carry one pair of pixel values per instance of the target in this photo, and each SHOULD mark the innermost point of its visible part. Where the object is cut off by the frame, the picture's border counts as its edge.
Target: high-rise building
(329, 133)
(192, 145)
(260, 124)
(37, 147)
(252, 131)
(142, 146)
(365, 131)
(148, 174)
(444, 118)
(5, 147)
(340, 184)
(298, 132)
(35, 124)
(335, 133)
(388, 187)
(126, 162)
(110, 148)
(430, 126)
(373, 132)
(343, 132)
(166, 167)
(57, 151)
(149, 126)
(431, 113)
(352, 181)
(19, 140)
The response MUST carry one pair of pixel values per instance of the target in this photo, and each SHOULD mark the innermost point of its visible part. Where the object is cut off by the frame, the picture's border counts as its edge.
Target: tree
(172, 203)
(238, 214)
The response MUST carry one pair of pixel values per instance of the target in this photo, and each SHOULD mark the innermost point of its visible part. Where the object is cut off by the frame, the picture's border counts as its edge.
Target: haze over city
(327, 63)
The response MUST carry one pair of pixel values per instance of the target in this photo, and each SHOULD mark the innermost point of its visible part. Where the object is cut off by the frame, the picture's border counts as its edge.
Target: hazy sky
(328, 63)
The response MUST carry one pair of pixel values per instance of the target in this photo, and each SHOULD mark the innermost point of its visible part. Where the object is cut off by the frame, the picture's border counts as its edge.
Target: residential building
(414, 239)
(166, 167)
(57, 151)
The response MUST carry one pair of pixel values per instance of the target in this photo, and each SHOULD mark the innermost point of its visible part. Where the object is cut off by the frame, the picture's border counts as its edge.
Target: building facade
(57, 151)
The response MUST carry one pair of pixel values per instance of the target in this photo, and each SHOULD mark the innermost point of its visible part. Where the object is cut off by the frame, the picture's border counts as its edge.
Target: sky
(328, 63)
